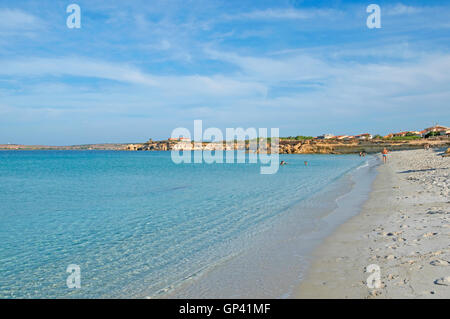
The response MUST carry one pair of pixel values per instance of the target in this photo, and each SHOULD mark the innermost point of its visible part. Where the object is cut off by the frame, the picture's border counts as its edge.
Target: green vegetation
(405, 138)
(430, 134)
(297, 138)
(410, 134)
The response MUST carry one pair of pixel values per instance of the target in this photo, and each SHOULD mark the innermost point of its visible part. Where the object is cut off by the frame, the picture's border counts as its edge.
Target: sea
(138, 225)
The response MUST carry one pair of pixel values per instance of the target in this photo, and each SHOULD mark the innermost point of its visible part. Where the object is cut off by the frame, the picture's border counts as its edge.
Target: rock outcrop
(349, 147)
(299, 147)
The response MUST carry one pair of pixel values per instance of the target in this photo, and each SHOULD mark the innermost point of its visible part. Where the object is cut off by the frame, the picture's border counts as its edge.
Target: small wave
(365, 164)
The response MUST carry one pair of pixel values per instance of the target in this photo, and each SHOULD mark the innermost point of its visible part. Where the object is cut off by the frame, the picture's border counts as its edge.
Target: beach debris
(430, 234)
(439, 262)
(444, 281)
(438, 211)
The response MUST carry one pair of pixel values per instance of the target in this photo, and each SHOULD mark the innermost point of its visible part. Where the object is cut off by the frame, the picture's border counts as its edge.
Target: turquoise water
(136, 223)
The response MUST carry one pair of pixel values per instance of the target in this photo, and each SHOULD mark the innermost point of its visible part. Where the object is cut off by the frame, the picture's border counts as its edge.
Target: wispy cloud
(39, 67)
(401, 9)
(277, 14)
(216, 85)
(14, 19)
(286, 68)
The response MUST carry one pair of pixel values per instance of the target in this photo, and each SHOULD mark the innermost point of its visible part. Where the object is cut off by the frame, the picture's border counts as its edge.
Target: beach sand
(404, 228)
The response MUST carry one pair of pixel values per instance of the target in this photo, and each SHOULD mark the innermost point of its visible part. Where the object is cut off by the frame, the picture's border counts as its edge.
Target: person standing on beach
(384, 152)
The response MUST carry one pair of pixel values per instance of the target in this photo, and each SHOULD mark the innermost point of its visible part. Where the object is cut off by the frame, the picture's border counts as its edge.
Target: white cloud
(344, 86)
(401, 9)
(36, 67)
(291, 68)
(12, 20)
(185, 85)
(348, 87)
(275, 14)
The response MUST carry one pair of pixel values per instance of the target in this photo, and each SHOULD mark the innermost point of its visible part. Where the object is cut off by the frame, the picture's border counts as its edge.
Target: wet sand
(404, 228)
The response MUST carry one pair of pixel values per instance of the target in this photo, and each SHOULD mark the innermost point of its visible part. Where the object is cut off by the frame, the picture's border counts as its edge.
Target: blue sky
(138, 69)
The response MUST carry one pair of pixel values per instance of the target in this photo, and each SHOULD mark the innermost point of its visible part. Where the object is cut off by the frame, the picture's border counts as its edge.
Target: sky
(139, 69)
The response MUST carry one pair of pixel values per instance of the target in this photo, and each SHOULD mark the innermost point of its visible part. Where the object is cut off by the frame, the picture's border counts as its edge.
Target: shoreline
(285, 248)
(404, 227)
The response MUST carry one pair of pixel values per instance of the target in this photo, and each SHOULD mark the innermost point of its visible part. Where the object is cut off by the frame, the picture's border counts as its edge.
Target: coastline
(286, 146)
(279, 256)
(404, 227)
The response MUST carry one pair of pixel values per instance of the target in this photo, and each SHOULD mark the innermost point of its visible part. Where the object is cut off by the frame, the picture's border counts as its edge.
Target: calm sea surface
(136, 223)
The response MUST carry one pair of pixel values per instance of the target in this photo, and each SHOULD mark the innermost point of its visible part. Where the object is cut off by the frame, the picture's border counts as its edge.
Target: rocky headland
(311, 146)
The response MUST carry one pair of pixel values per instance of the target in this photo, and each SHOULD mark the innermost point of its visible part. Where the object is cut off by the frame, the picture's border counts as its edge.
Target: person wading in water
(384, 152)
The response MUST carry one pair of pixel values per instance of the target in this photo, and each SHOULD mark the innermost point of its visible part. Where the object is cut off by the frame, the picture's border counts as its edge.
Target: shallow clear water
(135, 222)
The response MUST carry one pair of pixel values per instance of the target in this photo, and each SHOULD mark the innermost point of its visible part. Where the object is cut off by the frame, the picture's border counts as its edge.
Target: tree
(430, 134)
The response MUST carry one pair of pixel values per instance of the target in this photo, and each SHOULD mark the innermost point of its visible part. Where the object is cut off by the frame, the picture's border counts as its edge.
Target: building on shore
(438, 129)
(179, 139)
(406, 133)
(364, 136)
(325, 136)
(343, 137)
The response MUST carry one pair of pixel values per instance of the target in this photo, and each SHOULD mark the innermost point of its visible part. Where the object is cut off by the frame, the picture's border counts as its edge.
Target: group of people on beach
(384, 153)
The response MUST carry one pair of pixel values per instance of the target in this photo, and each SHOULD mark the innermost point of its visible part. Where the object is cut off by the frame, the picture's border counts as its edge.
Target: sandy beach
(404, 228)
